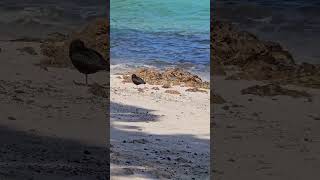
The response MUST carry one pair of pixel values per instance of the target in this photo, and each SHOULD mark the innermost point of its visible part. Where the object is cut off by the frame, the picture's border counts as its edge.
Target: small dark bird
(86, 60)
(137, 80)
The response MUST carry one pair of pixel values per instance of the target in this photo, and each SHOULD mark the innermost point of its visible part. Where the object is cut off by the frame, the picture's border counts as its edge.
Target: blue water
(161, 33)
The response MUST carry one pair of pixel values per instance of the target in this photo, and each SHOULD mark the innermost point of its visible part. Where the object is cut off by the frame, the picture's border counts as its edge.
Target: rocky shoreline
(236, 55)
(242, 55)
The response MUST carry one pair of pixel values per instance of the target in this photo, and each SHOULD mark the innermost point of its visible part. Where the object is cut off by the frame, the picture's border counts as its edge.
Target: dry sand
(156, 135)
(265, 138)
(49, 126)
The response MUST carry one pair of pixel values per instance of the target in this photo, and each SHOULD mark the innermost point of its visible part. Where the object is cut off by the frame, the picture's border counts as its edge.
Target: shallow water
(161, 33)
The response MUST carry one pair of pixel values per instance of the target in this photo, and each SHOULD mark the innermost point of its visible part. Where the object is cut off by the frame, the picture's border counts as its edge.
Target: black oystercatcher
(86, 60)
(137, 80)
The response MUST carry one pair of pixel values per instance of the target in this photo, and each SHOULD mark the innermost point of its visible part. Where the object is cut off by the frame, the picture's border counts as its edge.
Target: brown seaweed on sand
(274, 90)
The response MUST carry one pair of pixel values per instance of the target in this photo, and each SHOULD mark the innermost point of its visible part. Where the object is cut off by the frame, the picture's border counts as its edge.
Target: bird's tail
(107, 68)
(104, 67)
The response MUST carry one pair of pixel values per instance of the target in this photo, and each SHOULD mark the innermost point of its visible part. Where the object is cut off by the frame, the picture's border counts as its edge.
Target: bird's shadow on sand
(160, 155)
(25, 155)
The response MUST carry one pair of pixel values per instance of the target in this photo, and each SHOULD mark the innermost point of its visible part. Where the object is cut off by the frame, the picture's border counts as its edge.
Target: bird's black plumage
(86, 60)
(137, 80)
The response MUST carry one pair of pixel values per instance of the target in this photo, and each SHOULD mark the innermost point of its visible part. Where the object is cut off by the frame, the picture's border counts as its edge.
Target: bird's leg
(86, 79)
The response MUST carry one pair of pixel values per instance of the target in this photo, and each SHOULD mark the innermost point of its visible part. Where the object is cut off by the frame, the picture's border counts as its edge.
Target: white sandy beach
(158, 135)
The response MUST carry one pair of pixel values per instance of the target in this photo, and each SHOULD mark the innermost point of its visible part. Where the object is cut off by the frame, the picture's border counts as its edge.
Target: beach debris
(155, 88)
(182, 160)
(56, 36)
(137, 80)
(98, 90)
(139, 141)
(28, 50)
(167, 85)
(172, 92)
(274, 90)
(86, 60)
(196, 90)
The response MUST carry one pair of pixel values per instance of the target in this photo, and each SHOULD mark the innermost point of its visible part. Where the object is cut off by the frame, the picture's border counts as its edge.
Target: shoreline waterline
(129, 67)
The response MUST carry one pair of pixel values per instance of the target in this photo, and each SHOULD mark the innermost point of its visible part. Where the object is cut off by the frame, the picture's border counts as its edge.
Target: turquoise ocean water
(161, 33)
